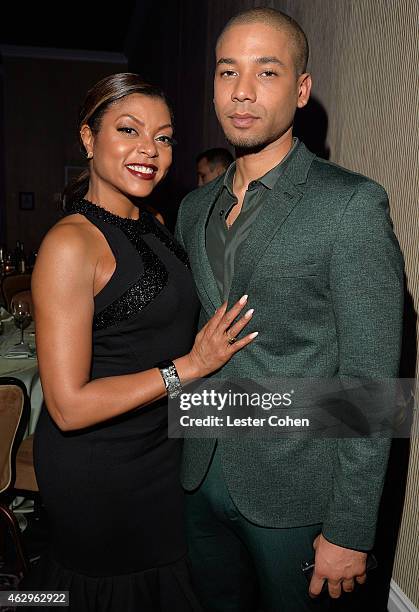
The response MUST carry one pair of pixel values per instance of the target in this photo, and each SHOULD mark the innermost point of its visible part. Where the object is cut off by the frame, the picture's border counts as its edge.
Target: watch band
(170, 378)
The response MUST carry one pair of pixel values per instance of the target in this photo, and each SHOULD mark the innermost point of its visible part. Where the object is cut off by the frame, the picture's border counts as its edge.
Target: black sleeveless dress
(112, 491)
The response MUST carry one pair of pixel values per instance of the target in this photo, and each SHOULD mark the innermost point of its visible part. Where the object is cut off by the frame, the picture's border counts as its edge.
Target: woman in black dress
(114, 299)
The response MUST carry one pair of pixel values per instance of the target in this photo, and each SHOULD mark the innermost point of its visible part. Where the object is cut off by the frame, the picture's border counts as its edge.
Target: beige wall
(41, 101)
(365, 56)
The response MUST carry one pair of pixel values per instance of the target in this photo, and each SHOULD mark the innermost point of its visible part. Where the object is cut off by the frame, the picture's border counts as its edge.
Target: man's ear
(304, 89)
(87, 138)
(219, 168)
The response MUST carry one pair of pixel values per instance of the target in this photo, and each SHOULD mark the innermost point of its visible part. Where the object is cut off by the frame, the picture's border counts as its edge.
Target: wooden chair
(12, 284)
(17, 475)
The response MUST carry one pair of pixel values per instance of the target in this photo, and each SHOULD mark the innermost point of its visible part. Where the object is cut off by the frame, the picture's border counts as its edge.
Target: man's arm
(366, 280)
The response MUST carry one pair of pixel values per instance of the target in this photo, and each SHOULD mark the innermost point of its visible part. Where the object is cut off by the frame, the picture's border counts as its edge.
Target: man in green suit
(312, 246)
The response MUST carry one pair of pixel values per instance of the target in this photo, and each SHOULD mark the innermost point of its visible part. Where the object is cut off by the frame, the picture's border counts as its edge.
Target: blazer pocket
(290, 271)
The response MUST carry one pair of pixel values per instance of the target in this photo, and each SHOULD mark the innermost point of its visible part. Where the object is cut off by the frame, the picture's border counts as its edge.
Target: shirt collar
(228, 178)
(268, 180)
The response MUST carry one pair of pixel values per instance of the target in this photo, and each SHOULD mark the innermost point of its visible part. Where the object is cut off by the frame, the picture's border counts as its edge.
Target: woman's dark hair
(107, 91)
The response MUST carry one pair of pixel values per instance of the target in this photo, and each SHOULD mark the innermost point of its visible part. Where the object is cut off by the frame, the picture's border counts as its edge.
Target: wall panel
(41, 103)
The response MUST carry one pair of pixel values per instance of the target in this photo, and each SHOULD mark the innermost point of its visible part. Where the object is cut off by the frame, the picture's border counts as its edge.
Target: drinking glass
(22, 317)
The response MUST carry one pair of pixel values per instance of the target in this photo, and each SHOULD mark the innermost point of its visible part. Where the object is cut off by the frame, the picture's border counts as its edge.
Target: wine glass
(22, 317)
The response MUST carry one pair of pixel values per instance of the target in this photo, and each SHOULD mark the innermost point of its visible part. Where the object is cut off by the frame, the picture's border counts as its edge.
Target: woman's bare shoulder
(70, 245)
(75, 227)
(72, 233)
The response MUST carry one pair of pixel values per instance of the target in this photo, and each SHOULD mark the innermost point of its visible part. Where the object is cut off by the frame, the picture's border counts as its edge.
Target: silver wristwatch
(170, 378)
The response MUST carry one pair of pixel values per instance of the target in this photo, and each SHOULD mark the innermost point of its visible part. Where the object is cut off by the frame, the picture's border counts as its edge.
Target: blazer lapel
(201, 267)
(282, 199)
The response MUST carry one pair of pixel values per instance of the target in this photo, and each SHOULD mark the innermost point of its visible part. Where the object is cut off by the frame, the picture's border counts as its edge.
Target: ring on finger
(231, 340)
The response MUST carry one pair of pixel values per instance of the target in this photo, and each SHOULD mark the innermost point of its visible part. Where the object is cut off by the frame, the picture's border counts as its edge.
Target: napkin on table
(5, 315)
(17, 352)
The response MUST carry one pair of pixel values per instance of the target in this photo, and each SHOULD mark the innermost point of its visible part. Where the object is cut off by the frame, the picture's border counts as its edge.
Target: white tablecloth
(25, 370)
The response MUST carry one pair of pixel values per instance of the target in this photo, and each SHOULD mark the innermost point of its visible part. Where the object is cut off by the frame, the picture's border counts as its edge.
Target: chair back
(14, 415)
(12, 284)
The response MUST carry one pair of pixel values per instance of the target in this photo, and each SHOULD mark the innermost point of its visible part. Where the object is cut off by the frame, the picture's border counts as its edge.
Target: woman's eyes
(127, 130)
(167, 140)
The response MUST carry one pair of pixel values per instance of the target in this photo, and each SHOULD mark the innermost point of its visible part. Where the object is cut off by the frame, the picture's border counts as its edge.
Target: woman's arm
(62, 286)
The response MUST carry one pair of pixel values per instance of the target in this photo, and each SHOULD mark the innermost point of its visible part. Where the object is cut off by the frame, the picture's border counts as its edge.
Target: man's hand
(338, 565)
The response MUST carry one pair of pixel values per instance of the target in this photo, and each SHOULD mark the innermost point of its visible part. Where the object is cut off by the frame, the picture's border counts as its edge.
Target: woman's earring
(89, 155)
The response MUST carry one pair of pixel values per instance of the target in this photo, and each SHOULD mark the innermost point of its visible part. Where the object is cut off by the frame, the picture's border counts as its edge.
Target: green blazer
(324, 273)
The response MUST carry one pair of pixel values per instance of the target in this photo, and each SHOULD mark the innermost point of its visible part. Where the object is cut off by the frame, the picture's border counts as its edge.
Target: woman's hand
(63, 285)
(216, 343)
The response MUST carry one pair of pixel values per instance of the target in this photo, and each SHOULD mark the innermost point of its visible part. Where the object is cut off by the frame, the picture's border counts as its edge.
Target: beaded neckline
(139, 226)
(154, 275)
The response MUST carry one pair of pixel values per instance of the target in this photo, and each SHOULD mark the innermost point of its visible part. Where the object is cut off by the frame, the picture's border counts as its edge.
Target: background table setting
(19, 359)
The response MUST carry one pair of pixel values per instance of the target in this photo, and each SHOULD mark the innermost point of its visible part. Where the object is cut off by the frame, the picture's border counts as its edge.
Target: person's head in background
(126, 134)
(212, 163)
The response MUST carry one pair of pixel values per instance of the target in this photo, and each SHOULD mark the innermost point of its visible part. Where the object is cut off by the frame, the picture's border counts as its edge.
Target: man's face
(208, 172)
(256, 89)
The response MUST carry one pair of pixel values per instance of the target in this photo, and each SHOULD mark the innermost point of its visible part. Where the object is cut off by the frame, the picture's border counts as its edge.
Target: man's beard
(246, 145)
(250, 144)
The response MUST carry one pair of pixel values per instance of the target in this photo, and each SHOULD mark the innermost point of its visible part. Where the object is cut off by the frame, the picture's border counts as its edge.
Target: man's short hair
(215, 156)
(279, 21)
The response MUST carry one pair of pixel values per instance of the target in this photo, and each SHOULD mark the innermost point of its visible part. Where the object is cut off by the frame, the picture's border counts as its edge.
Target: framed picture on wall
(26, 200)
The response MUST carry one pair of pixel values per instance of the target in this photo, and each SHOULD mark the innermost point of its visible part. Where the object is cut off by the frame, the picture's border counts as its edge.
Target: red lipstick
(146, 172)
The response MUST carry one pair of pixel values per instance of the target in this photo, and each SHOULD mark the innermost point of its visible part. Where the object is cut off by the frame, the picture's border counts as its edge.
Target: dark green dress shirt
(222, 242)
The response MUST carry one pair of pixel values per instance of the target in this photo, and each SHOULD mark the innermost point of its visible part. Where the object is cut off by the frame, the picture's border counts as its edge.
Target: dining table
(21, 364)
(17, 362)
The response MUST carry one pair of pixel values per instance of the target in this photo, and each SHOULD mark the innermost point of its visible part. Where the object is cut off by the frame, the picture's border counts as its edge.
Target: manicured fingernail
(249, 313)
(243, 299)
(253, 335)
